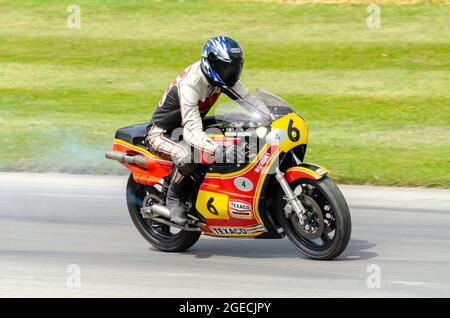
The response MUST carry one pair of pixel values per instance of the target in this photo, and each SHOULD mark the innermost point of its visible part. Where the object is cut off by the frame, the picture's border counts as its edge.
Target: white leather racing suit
(186, 101)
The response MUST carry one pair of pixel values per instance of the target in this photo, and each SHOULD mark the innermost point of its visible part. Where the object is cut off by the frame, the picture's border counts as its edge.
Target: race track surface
(50, 221)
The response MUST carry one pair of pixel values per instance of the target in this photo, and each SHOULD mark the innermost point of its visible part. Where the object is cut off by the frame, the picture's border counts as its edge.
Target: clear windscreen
(243, 114)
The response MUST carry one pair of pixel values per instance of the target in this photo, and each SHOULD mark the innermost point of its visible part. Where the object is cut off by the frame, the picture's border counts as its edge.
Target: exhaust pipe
(161, 210)
(122, 157)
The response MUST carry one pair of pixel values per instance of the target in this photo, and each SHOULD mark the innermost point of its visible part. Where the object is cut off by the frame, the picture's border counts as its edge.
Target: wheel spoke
(165, 229)
(325, 238)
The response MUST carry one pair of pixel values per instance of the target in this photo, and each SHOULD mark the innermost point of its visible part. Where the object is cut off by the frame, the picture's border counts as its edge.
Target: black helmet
(222, 61)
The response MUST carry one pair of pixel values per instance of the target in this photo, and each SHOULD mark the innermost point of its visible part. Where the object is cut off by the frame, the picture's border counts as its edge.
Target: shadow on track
(246, 248)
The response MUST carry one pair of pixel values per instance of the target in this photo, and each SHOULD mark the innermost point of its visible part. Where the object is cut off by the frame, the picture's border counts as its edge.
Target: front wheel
(326, 231)
(163, 237)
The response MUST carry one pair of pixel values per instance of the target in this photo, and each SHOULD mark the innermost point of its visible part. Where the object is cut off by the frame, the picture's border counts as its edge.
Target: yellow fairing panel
(212, 205)
(292, 125)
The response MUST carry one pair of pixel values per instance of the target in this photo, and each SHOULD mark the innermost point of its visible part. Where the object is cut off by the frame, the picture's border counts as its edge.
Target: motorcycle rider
(185, 103)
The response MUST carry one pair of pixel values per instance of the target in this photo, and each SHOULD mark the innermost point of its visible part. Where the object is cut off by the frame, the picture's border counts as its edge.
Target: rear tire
(335, 217)
(156, 234)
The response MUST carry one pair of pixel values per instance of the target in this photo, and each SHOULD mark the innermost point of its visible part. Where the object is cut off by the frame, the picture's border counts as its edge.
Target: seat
(134, 135)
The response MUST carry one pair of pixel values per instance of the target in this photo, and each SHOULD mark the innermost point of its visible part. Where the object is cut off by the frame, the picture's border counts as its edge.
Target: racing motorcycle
(269, 192)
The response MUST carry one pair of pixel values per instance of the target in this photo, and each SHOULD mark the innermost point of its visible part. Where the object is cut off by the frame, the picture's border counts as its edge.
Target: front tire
(158, 235)
(326, 233)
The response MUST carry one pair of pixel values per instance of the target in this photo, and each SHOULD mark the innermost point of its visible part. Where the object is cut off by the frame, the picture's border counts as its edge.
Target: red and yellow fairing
(305, 171)
(221, 192)
(156, 167)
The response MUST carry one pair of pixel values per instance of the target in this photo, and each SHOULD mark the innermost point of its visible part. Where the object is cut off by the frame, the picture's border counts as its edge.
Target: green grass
(377, 101)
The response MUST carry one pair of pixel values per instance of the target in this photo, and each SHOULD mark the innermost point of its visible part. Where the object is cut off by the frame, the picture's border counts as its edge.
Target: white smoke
(71, 151)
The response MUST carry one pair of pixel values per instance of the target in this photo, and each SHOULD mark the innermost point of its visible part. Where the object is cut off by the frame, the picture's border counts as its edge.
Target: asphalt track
(50, 221)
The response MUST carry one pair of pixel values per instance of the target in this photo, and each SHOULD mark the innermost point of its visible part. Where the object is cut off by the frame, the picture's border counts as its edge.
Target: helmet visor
(229, 72)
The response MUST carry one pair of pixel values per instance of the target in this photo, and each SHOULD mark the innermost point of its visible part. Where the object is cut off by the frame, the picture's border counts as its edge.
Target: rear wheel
(326, 231)
(163, 237)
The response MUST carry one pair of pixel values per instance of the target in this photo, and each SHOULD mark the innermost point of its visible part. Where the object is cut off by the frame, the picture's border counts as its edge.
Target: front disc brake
(313, 225)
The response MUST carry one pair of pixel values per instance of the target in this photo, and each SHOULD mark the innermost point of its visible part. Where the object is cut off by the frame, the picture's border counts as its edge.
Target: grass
(377, 101)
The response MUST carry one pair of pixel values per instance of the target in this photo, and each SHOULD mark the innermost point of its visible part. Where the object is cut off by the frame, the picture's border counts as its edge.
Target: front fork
(293, 203)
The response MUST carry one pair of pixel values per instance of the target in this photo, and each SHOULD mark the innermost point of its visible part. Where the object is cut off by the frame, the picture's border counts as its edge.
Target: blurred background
(372, 81)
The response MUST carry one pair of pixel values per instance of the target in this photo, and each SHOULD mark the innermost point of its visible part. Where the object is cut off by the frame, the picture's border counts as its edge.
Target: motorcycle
(267, 193)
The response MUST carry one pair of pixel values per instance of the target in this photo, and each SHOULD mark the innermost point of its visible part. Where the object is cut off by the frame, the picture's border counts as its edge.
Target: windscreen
(243, 114)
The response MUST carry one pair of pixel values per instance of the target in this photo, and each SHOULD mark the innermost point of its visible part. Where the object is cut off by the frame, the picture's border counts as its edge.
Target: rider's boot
(174, 204)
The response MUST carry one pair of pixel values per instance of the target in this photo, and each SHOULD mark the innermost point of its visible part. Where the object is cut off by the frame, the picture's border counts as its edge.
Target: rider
(185, 102)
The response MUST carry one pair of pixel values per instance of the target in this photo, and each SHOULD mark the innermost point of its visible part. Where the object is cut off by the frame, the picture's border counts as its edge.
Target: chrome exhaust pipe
(122, 157)
(161, 210)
